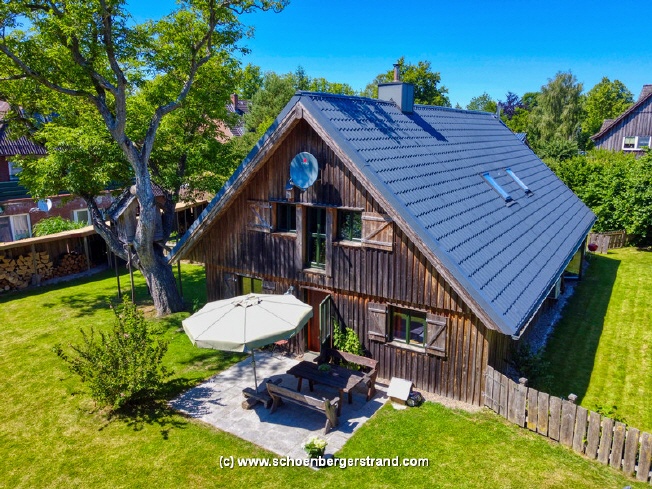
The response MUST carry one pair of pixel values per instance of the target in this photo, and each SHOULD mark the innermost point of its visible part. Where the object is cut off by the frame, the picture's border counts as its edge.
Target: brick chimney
(402, 94)
(234, 100)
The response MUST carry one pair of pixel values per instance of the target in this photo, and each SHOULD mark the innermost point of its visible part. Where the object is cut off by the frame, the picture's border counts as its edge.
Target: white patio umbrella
(246, 322)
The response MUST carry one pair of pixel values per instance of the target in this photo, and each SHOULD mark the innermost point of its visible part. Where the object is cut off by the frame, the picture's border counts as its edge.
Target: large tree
(558, 113)
(427, 88)
(112, 82)
(606, 100)
(482, 102)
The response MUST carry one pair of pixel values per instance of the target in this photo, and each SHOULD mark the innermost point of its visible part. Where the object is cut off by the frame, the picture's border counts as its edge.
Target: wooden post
(88, 258)
(131, 273)
(179, 273)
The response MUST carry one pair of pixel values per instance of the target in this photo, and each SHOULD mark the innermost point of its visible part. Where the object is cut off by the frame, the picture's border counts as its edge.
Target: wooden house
(434, 233)
(630, 131)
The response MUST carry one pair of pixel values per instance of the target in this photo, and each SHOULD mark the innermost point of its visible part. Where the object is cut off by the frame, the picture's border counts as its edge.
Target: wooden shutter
(436, 335)
(377, 322)
(260, 216)
(377, 231)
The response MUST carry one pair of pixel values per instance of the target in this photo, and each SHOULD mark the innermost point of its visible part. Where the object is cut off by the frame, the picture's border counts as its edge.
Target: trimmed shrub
(57, 224)
(122, 366)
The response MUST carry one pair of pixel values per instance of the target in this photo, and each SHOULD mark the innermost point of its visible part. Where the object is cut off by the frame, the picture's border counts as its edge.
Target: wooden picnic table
(338, 377)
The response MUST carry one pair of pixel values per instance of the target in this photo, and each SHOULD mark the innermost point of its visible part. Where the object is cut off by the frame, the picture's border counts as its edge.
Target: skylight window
(490, 180)
(520, 183)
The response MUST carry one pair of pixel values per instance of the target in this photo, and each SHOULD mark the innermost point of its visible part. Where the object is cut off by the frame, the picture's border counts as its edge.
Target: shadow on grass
(572, 346)
(156, 411)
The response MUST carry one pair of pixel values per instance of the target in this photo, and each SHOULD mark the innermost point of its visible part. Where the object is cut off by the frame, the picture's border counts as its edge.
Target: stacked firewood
(19, 272)
(70, 263)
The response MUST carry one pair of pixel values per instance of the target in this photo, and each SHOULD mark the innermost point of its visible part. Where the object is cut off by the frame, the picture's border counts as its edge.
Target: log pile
(19, 272)
(24, 270)
(70, 263)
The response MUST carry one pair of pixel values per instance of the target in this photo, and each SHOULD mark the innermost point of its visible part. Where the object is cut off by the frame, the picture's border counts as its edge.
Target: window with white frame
(81, 215)
(633, 143)
(13, 228)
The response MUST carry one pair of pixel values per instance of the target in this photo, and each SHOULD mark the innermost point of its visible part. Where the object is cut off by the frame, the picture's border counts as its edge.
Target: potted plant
(315, 447)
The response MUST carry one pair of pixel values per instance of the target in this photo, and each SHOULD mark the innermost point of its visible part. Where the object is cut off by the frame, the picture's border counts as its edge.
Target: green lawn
(51, 435)
(602, 348)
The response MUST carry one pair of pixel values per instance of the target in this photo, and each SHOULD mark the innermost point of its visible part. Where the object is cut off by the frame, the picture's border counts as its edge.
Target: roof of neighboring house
(241, 107)
(20, 146)
(608, 124)
(426, 170)
(125, 199)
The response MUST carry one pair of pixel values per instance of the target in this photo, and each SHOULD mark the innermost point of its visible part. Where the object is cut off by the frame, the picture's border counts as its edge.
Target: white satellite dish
(44, 205)
(304, 170)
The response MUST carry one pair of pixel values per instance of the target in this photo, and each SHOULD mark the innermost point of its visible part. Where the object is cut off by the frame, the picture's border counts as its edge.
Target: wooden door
(314, 298)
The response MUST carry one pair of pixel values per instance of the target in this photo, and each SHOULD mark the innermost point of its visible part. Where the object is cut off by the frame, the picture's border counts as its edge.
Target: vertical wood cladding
(355, 274)
(637, 123)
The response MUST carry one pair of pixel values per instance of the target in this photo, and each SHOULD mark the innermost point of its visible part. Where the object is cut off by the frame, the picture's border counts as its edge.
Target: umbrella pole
(253, 361)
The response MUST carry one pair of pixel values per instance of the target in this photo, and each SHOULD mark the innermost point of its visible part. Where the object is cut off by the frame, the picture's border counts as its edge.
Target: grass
(52, 436)
(602, 348)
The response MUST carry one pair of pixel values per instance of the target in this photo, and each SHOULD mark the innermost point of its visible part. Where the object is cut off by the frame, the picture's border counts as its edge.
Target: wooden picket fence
(586, 432)
(608, 240)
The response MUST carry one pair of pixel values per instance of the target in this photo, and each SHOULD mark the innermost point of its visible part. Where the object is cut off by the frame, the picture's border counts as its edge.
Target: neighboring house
(632, 130)
(18, 211)
(434, 233)
(239, 108)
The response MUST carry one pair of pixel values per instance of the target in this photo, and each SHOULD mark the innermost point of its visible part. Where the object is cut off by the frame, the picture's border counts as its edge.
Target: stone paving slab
(218, 402)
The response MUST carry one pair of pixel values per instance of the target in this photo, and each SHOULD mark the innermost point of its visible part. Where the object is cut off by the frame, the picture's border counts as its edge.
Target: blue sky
(492, 45)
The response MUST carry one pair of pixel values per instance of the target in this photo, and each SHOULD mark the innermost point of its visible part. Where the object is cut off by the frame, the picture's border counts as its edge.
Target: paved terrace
(219, 402)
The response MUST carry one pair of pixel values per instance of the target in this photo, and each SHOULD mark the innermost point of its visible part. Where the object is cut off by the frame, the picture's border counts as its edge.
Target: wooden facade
(361, 280)
(636, 122)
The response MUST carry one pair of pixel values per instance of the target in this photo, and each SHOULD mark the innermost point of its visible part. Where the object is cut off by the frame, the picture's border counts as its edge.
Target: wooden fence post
(593, 436)
(580, 429)
(568, 410)
(643, 470)
(617, 445)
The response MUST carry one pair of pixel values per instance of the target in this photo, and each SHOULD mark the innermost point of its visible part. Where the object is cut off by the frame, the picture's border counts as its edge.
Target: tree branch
(40, 78)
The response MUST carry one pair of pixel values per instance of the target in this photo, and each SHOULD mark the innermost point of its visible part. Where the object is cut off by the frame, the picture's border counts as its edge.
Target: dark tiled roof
(21, 146)
(428, 166)
(242, 108)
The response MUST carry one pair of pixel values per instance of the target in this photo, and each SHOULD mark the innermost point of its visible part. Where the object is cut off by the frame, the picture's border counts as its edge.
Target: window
(633, 143)
(490, 180)
(286, 218)
(250, 285)
(316, 237)
(81, 215)
(14, 170)
(350, 225)
(408, 326)
(520, 183)
(13, 228)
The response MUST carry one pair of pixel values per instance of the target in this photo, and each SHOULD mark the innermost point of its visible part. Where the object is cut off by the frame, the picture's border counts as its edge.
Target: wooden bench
(326, 406)
(342, 358)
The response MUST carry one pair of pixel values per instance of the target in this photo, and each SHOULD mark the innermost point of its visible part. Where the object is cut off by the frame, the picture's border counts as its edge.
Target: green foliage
(558, 149)
(427, 88)
(56, 224)
(616, 186)
(519, 121)
(122, 366)
(558, 113)
(531, 365)
(606, 100)
(345, 339)
(482, 102)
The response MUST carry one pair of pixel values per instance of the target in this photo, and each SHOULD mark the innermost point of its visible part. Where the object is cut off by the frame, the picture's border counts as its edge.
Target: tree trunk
(162, 284)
